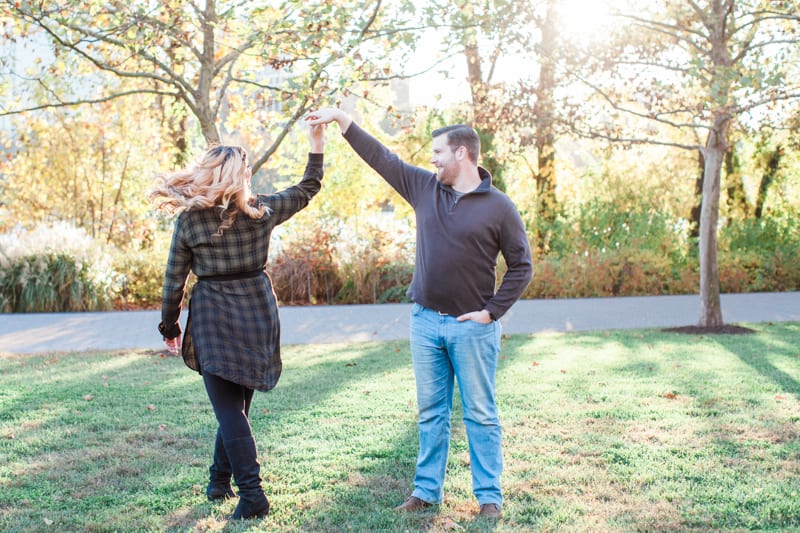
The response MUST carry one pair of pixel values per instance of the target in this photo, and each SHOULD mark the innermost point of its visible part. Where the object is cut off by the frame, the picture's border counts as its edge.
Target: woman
(232, 333)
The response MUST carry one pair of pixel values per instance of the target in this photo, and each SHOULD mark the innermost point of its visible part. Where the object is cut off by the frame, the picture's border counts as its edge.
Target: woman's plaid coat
(233, 329)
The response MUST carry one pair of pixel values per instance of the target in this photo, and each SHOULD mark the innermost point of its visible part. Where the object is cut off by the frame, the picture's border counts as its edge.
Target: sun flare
(585, 21)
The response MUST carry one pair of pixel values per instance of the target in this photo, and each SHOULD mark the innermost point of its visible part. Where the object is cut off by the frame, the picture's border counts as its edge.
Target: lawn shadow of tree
(713, 415)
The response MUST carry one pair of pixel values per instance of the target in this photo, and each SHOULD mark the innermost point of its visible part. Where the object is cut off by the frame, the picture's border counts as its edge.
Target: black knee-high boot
(246, 473)
(219, 484)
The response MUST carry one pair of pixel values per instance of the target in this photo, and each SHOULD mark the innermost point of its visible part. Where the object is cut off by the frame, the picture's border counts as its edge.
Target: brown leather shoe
(490, 510)
(412, 504)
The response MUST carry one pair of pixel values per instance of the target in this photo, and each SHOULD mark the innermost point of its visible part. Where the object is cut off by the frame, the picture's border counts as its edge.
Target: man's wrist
(343, 120)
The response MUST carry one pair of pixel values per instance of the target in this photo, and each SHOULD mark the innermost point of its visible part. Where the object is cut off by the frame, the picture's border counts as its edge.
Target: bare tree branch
(768, 100)
(757, 19)
(592, 134)
(629, 111)
(701, 14)
(418, 73)
(168, 29)
(174, 80)
(84, 101)
(662, 27)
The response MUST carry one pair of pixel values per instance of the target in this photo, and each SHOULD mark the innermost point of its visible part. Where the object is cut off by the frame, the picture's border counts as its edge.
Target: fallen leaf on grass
(448, 524)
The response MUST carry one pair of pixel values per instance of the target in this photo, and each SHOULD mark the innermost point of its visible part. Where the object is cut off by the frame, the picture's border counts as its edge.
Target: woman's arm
(177, 272)
(289, 201)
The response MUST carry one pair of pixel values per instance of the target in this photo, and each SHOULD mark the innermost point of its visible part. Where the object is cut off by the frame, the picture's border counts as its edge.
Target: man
(463, 223)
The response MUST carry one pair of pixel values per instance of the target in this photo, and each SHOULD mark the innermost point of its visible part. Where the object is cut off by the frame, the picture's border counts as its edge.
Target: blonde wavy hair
(220, 179)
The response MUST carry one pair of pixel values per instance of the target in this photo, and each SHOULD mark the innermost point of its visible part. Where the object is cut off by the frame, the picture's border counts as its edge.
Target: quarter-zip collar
(484, 186)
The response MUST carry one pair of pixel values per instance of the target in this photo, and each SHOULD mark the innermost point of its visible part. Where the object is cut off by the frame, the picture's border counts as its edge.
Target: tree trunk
(481, 106)
(204, 110)
(714, 154)
(545, 136)
(697, 200)
(773, 163)
(737, 200)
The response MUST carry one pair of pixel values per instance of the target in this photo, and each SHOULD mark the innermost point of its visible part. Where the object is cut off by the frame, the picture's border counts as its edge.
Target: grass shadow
(609, 431)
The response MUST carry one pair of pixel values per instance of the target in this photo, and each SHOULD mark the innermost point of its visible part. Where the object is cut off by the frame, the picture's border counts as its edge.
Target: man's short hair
(461, 135)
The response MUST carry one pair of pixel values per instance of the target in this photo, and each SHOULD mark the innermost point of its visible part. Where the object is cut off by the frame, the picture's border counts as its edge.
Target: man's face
(444, 159)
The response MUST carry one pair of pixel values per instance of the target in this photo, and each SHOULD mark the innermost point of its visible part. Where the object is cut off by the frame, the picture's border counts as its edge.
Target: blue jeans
(443, 348)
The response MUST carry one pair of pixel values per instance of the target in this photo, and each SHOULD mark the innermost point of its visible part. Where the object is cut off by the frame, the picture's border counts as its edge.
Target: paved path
(120, 330)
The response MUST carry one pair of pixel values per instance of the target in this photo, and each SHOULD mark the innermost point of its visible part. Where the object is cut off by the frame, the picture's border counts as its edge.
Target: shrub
(302, 268)
(760, 254)
(395, 279)
(55, 268)
(142, 279)
(779, 232)
(606, 227)
(60, 268)
(618, 273)
(759, 271)
(374, 268)
(364, 281)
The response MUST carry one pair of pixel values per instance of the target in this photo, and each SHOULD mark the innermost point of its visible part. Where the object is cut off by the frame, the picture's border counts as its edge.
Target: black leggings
(231, 403)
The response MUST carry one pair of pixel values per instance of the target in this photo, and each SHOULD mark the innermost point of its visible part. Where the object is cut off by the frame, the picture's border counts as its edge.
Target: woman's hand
(316, 133)
(173, 345)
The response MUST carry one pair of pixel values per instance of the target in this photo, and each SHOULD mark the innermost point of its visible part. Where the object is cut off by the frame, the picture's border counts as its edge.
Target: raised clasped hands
(326, 115)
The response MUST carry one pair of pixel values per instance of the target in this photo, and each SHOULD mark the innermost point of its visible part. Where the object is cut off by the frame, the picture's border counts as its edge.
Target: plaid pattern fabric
(233, 329)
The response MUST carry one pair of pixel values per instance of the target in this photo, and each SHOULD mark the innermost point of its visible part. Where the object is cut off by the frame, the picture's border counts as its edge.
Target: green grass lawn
(605, 431)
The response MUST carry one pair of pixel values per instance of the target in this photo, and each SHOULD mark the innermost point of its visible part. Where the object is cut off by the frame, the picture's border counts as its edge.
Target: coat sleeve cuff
(170, 332)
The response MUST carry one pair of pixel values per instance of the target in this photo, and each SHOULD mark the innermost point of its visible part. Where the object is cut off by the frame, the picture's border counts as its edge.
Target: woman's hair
(219, 180)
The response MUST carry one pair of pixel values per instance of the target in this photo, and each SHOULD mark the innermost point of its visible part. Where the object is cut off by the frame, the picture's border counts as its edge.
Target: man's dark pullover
(458, 239)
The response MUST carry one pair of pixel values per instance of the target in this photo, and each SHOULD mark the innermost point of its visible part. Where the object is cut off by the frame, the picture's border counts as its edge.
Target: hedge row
(41, 279)
(58, 283)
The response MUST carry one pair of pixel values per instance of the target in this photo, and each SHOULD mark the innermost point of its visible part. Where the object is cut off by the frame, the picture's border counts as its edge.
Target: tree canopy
(99, 96)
